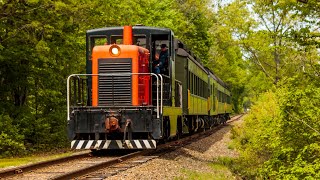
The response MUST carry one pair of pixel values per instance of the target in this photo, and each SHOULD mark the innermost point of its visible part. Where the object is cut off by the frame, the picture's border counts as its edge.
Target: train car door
(161, 57)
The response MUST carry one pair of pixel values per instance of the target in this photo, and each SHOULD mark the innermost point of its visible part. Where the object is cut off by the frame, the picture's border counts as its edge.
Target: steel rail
(87, 170)
(30, 167)
(163, 148)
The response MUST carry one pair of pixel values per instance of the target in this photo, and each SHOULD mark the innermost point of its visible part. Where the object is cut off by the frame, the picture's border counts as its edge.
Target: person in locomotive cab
(163, 59)
(156, 64)
(160, 64)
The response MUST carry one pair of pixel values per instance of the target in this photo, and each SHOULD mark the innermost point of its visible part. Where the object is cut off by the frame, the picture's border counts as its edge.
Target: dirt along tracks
(198, 157)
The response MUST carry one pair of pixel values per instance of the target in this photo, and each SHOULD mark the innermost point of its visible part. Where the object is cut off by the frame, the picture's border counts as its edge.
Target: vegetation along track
(84, 166)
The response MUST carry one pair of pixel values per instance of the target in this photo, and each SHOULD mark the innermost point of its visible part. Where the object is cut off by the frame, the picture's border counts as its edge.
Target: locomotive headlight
(114, 50)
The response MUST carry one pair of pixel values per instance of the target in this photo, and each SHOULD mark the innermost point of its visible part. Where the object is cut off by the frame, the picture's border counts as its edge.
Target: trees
(268, 46)
(279, 139)
(282, 130)
(198, 19)
(273, 46)
(43, 41)
(38, 40)
(230, 23)
(253, 45)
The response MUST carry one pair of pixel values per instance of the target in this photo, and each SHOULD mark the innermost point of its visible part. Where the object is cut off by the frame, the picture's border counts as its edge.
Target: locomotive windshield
(139, 40)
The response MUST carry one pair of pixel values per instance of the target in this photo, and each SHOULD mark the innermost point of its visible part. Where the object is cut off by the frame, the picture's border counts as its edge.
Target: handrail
(178, 81)
(166, 76)
(161, 91)
(159, 109)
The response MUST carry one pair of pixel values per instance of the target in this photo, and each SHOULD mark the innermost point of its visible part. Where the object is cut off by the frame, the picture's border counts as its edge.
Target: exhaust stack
(127, 35)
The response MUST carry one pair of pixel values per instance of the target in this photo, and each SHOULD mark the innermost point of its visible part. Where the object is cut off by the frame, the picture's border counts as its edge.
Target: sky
(221, 3)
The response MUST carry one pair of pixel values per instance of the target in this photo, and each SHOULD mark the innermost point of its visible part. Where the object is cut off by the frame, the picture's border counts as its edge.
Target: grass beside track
(19, 161)
(218, 172)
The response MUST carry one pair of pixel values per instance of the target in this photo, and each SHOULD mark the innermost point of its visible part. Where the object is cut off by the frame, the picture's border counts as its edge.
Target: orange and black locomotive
(141, 85)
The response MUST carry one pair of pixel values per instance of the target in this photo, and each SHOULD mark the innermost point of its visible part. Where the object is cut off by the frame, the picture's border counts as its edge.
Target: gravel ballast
(194, 157)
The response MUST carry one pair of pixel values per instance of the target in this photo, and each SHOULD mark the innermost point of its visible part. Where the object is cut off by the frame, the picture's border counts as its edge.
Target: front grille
(114, 90)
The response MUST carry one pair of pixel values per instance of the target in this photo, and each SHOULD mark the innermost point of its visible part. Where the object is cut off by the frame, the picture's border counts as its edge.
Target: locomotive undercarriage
(196, 123)
(125, 127)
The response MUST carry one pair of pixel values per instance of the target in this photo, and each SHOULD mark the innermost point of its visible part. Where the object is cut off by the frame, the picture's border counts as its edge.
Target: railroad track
(30, 167)
(86, 166)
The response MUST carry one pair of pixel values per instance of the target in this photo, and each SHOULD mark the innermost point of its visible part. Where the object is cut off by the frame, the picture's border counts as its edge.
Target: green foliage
(40, 48)
(19, 161)
(195, 32)
(225, 54)
(279, 139)
(10, 147)
(276, 46)
(280, 136)
(257, 138)
(218, 172)
(299, 155)
(281, 73)
(11, 141)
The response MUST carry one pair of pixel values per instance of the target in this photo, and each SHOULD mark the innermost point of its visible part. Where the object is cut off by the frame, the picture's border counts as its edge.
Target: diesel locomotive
(122, 103)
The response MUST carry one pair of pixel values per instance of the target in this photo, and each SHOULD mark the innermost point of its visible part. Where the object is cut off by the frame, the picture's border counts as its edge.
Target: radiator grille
(114, 90)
